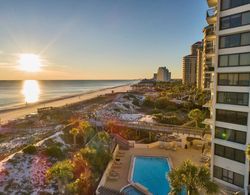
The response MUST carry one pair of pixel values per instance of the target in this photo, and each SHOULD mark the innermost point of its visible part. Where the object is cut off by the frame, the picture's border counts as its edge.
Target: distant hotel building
(190, 64)
(228, 55)
(162, 75)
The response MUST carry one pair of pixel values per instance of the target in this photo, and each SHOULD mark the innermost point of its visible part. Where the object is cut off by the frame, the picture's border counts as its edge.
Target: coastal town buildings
(189, 64)
(199, 67)
(227, 55)
(163, 74)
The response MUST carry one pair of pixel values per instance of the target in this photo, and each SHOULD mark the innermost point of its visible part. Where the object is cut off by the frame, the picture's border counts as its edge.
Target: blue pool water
(151, 172)
(130, 190)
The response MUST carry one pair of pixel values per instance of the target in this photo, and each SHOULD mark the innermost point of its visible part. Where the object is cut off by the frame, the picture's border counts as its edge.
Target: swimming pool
(151, 172)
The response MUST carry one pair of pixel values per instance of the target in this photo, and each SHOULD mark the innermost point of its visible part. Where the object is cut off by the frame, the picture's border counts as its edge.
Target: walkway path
(157, 127)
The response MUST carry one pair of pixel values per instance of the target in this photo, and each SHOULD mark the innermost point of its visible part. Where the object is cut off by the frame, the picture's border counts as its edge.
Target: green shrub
(155, 111)
(148, 102)
(30, 149)
(167, 119)
(136, 102)
(164, 103)
(54, 151)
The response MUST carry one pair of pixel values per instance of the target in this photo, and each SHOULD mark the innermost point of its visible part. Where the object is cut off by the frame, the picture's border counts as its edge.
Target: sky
(98, 39)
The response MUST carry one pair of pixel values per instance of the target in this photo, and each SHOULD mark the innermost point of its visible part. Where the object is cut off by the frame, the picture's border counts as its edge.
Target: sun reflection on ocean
(31, 91)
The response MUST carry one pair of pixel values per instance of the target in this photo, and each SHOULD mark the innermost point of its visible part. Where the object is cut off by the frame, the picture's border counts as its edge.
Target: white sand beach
(20, 112)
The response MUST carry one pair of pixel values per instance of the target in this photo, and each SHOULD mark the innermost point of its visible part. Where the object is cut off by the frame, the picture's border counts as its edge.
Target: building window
(245, 39)
(219, 150)
(233, 98)
(245, 59)
(244, 79)
(238, 180)
(245, 18)
(234, 79)
(230, 135)
(235, 40)
(229, 116)
(240, 59)
(235, 20)
(228, 4)
(229, 176)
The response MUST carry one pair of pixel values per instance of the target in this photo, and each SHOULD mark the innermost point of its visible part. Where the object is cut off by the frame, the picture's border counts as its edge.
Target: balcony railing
(209, 68)
(211, 12)
(210, 49)
(210, 32)
(212, 3)
(211, 16)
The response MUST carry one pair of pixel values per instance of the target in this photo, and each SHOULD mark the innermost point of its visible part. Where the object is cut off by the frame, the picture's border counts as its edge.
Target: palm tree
(196, 115)
(83, 183)
(192, 178)
(74, 132)
(85, 130)
(62, 172)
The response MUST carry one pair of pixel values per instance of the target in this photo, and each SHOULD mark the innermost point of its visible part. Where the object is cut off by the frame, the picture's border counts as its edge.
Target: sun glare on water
(31, 91)
(29, 62)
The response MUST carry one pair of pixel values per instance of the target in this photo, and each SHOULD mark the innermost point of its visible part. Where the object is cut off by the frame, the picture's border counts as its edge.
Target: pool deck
(176, 158)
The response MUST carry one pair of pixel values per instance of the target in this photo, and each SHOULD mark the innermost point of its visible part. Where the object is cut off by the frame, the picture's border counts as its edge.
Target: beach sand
(20, 112)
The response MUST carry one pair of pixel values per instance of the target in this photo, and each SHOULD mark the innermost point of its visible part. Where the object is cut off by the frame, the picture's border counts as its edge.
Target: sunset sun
(29, 62)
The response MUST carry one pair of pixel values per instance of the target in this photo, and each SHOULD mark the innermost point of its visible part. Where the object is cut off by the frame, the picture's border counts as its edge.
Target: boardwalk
(157, 127)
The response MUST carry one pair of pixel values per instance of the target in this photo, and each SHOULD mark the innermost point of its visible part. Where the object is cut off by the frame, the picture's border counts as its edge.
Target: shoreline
(14, 113)
(8, 109)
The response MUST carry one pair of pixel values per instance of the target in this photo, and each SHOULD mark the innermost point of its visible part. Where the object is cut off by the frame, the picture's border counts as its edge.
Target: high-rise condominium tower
(230, 94)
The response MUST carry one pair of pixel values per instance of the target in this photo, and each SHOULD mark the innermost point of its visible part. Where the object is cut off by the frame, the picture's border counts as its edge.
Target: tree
(164, 103)
(192, 178)
(85, 130)
(196, 115)
(62, 172)
(55, 152)
(74, 132)
(80, 165)
(148, 102)
(83, 175)
(104, 139)
(97, 158)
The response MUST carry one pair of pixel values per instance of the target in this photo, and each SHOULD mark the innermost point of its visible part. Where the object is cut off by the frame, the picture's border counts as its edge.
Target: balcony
(211, 16)
(210, 50)
(212, 3)
(210, 34)
(209, 69)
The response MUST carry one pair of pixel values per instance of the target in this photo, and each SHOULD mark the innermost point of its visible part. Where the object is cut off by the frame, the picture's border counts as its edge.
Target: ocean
(19, 93)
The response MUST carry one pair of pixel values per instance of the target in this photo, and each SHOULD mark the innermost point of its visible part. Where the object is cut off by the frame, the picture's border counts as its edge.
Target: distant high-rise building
(189, 70)
(163, 74)
(195, 47)
(189, 64)
(155, 76)
(199, 68)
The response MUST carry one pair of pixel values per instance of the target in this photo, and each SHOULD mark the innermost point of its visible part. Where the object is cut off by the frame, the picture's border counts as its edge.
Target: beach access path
(20, 112)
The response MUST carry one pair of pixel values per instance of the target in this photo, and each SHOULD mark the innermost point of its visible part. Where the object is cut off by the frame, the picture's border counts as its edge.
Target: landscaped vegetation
(177, 104)
(78, 174)
(192, 179)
